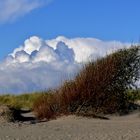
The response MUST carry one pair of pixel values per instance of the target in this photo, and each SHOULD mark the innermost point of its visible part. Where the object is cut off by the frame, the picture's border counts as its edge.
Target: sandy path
(75, 128)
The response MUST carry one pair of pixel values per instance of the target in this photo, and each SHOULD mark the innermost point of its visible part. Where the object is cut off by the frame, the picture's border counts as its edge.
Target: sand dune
(75, 128)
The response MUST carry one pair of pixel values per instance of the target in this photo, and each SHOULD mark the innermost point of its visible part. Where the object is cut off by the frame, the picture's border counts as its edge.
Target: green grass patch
(133, 95)
(19, 101)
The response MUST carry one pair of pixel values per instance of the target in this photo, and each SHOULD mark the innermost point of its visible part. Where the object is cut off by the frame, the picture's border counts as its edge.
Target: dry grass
(100, 87)
(44, 106)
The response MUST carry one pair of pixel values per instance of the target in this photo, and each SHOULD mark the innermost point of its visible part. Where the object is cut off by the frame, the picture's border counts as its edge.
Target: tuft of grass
(44, 107)
(100, 87)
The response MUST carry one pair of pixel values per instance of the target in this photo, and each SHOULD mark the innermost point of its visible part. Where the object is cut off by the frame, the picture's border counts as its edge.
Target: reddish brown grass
(100, 87)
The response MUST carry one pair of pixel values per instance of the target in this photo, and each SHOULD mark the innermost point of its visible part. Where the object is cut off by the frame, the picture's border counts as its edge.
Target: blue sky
(103, 19)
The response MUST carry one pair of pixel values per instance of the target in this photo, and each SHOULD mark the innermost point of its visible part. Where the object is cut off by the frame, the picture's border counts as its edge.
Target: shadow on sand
(28, 116)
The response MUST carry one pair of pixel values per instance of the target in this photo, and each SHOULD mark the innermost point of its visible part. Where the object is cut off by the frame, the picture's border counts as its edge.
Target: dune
(71, 127)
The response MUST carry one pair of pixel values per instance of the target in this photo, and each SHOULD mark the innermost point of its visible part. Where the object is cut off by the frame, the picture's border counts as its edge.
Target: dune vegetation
(19, 101)
(103, 86)
(27, 100)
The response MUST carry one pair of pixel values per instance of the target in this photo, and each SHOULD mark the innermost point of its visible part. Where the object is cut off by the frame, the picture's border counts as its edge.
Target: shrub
(100, 87)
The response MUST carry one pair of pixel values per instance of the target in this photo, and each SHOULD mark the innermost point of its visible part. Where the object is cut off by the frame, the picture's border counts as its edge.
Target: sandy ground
(75, 128)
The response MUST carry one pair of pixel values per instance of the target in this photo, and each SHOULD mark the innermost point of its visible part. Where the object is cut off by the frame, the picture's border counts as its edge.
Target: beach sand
(75, 128)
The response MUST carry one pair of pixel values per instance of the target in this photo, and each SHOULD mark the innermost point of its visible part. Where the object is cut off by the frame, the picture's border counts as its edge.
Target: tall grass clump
(46, 106)
(100, 87)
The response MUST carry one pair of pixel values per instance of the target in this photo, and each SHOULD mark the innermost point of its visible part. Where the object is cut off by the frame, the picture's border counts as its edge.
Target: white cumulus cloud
(86, 48)
(42, 64)
(12, 9)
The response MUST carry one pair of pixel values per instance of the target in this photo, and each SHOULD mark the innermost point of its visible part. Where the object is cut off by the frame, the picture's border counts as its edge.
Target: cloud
(86, 48)
(42, 64)
(13, 9)
(27, 77)
(36, 50)
(75, 49)
(22, 56)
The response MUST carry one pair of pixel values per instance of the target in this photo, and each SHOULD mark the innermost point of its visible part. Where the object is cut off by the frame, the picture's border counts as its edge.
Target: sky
(103, 19)
(39, 39)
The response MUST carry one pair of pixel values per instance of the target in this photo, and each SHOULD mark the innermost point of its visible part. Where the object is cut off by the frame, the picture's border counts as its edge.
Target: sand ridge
(75, 128)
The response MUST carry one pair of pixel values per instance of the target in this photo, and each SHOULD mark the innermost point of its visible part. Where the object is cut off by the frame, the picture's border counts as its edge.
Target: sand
(75, 128)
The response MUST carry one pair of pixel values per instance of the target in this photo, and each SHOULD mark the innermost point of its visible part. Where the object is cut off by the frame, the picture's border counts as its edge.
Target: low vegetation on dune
(19, 101)
(133, 95)
(28, 100)
(102, 86)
